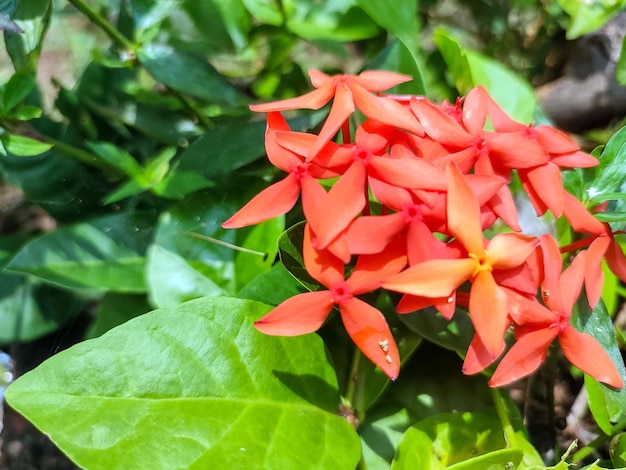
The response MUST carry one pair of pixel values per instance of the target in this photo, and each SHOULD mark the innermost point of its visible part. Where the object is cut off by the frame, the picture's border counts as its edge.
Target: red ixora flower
(538, 326)
(305, 313)
(348, 92)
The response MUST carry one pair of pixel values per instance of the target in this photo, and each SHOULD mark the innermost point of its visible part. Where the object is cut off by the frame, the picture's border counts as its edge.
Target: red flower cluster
(415, 190)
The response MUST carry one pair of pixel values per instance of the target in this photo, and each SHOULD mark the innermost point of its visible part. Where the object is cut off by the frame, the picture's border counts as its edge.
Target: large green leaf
(106, 253)
(193, 387)
(589, 16)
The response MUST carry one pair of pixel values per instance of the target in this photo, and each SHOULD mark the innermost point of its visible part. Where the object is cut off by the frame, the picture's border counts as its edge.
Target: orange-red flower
(305, 313)
(538, 326)
(439, 278)
(348, 91)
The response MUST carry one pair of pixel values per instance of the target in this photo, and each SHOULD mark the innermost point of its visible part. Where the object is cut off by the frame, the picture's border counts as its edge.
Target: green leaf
(208, 257)
(589, 16)
(200, 379)
(265, 11)
(30, 309)
(32, 17)
(397, 58)
(469, 68)
(116, 309)
(172, 280)
(617, 449)
(17, 89)
(116, 157)
(496, 460)
(597, 323)
(339, 20)
(443, 440)
(188, 74)
(150, 13)
(22, 146)
(178, 184)
(236, 20)
(272, 287)
(610, 175)
(106, 253)
(290, 249)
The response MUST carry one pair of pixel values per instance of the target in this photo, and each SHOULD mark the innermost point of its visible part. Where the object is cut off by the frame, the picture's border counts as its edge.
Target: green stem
(507, 427)
(98, 20)
(353, 387)
(597, 443)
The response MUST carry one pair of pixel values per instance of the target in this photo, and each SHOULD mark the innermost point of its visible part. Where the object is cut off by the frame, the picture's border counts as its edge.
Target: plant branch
(121, 40)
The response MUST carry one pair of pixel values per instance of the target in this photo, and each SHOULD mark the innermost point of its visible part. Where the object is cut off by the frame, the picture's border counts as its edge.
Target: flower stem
(507, 427)
(121, 40)
(354, 388)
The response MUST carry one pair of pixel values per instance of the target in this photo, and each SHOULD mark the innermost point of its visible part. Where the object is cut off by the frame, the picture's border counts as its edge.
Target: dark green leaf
(272, 287)
(206, 391)
(290, 249)
(29, 309)
(150, 13)
(116, 309)
(178, 184)
(236, 20)
(106, 253)
(397, 58)
(17, 89)
(189, 74)
(116, 157)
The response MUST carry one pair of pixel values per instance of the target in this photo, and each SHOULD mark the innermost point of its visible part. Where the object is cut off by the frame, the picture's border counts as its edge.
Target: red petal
(340, 110)
(439, 126)
(501, 121)
(380, 80)
(298, 315)
(336, 211)
(413, 173)
(552, 265)
(579, 217)
(547, 186)
(594, 277)
(371, 270)
(555, 141)
(312, 100)
(514, 150)
(574, 160)
(318, 78)
(509, 250)
(463, 212)
(524, 357)
(273, 201)
(322, 265)
(436, 278)
(385, 110)
(584, 351)
(369, 330)
(571, 281)
(616, 261)
(371, 234)
(477, 358)
(488, 308)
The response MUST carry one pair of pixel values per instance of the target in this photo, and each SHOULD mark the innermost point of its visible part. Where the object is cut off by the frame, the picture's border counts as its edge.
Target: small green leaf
(23, 146)
(265, 11)
(200, 379)
(617, 450)
(443, 440)
(496, 460)
(105, 253)
(17, 89)
(31, 17)
(116, 157)
(178, 184)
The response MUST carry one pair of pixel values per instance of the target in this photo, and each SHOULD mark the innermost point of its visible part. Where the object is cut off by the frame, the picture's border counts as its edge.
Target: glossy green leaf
(265, 11)
(339, 20)
(17, 89)
(172, 280)
(198, 257)
(440, 441)
(610, 174)
(589, 16)
(30, 309)
(617, 449)
(290, 249)
(106, 253)
(272, 287)
(199, 79)
(469, 68)
(496, 460)
(116, 157)
(150, 13)
(115, 309)
(236, 20)
(397, 58)
(32, 17)
(611, 403)
(21, 146)
(202, 380)
(455, 335)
